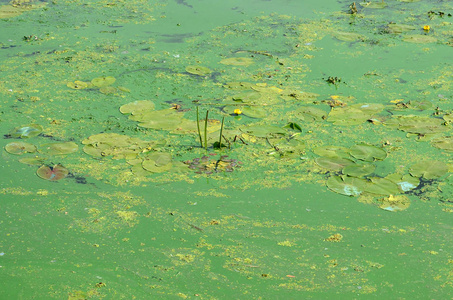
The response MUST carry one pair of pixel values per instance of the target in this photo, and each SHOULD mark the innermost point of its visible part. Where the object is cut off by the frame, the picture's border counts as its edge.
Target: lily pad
(358, 170)
(399, 28)
(333, 163)
(332, 151)
(59, 148)
(136, 106)
(27, 131)
(419, 39)
(368, 152)
(405, 183)
(347, 36)
(394, 203)
(354, 114)
(107, 90)
(373, 4)
(345, 185)
(310, 114)
(257, 112)
(418, 124)
(157, 162)
(237, 61)
(54, 173)
(431, 169)
(444, 143)
(20, 148)
(77, 85)
(103, 81)
(34, 161)
(382, 186)
(198, 70)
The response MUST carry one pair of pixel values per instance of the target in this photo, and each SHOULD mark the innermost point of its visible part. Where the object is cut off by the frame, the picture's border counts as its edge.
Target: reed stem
(199, 131)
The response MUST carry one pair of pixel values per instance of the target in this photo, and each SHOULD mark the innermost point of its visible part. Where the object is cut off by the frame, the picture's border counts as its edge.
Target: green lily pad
(198, 70)
(310, 114)
(368, 152)
(54, 173)
(345, 185)
(237, 61)
(394, 203)
(107, 90)
(157, 162)
(262, 130)
(19, 148)
(78, 85)
(298, 95)
(137, 106)
(405, 183)
(358, 170)
(419, 39)
(332, 151)
(399, 28)
(431, 169)
(333, 163)
(27, 131)
(59, 148)
(347, 36)
(103, 81)
(247, 97)
(34, 161)
(444, 143)
(354, 114)
(418, 124)
(373, 4)
(382, 186)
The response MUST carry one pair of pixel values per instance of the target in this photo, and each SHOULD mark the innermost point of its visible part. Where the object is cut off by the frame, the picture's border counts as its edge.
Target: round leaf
(432, 169)
(367, 152)
(349, 186)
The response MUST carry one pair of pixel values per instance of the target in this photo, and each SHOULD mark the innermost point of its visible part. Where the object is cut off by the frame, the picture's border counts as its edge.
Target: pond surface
(226, 150)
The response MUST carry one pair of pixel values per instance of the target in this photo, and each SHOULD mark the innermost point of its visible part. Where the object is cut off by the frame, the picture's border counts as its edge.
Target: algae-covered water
(226, 149)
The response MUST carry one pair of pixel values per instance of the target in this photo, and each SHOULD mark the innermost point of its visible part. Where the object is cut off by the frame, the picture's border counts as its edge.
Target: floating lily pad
(310, 114)
(103, 81)
(108, 90)
(237, 61)
(347, 36)
(35, 161)
(157, 162)
(262, 130)
(345, 185)
(27, 131)
(368, 152)
(198, 70)
(373, 4)
(54, 173)
(257, 112)
(381, 186)
(332, 151)
(444, 143)
(399, 28)
(354, 114)
(418, 124)
(405, 183)
(59, 148)
(136, 106)
(77, 85)
(298, 95)
(431, 169)
(419, 39)
(394, 203)
(333, 163)
(20, 148)
(358, 170)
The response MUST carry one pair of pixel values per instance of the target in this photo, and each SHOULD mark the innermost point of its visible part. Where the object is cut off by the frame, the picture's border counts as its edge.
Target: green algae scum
(194, 149)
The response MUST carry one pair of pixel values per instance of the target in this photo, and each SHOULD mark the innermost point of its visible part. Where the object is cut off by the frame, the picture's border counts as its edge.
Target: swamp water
(192, 149)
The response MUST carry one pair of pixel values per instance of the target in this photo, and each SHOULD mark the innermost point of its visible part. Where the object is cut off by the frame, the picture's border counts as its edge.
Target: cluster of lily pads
(352, 173)
(20, 147)
(210, 164)
(103, 84)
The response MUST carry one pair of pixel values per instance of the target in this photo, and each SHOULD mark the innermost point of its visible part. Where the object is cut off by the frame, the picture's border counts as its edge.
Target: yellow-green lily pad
(136, 106)
(27, 131)
(20, 148)
(431, 169)
(399, 28)
(103, 81)
(332, 151)
(405, 182)
(347, 36)
(333, 163)
(444, 143)
(381, 186)
(237, 61)
(345, 185)
(367, 152)
(107, 90)
(198, 70)
(394, 203)
(59, 148)
(358, 170)
(419, 39)
(157, 162)
(77, 85)
(354, 114)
